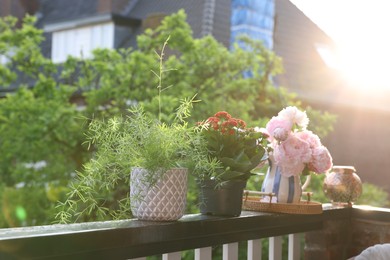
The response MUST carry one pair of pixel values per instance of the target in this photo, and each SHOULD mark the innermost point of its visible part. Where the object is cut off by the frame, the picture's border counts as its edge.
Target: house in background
(71, 26)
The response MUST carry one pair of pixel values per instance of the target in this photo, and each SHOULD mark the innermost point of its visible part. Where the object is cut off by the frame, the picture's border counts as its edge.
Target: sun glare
(365, 68)
(359, 29)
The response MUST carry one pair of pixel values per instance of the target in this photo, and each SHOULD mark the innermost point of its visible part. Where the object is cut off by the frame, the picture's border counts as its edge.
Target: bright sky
(361, 30)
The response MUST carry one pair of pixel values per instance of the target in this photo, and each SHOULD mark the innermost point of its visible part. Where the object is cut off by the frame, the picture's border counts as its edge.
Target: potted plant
(156, 155)
(234, 151)
(159, 154)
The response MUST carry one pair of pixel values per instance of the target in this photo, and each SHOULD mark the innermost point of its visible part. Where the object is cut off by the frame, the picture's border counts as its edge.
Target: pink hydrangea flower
(321, 160)
(292, 155)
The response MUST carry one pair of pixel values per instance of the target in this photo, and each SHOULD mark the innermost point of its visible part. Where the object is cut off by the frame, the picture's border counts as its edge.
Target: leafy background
(42, 124)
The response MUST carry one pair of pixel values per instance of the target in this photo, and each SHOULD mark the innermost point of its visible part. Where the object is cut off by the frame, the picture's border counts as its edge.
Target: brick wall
(366, 233)
(330, 243)
(344, 238)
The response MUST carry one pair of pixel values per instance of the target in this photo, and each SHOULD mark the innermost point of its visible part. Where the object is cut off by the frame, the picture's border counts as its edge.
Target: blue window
(254, 18)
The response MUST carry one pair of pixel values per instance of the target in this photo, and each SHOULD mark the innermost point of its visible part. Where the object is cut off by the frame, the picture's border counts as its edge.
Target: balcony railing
(337, 233)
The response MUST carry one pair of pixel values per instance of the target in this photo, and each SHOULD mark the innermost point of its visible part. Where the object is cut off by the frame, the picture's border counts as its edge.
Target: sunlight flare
(359, 29)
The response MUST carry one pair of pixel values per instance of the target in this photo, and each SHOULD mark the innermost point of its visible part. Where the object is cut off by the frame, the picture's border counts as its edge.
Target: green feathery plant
(160, 74)
(138, 140)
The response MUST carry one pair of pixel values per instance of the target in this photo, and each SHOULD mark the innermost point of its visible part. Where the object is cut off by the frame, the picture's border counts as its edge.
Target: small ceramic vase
(342, 185)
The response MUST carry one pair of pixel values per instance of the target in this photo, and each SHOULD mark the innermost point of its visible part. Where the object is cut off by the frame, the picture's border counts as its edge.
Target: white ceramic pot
(286, 189)
(163, 201)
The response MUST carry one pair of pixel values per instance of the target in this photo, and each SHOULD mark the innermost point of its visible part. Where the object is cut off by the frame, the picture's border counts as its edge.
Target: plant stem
(161, 57)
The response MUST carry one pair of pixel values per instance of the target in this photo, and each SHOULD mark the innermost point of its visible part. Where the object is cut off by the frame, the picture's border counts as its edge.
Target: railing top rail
(125, 239)
(370, 213)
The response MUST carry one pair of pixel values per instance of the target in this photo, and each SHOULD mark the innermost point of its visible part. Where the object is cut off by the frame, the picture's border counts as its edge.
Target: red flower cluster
(238, 149)
(222, 121)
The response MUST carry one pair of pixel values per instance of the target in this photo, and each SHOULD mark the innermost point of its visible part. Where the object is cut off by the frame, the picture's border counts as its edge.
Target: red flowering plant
(235, 149)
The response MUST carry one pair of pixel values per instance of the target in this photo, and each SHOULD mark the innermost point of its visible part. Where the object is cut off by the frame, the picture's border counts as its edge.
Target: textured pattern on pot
(163, 201)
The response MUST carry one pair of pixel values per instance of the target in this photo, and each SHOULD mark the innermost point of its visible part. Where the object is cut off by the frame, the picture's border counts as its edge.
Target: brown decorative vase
(342, 185)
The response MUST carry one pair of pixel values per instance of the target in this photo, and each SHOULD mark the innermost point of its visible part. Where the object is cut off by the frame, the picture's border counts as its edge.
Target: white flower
(294, 115)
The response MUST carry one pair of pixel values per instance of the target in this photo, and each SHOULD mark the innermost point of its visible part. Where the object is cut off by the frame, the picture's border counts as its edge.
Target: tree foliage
(40, 133)
(43, 121)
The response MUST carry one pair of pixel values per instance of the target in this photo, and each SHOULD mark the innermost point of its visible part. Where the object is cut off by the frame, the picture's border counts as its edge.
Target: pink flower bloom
(292, 169)
(295, 116)
(275, 123)
(294, 147)
(309, 137)
(321, 160)
(292, 155)
(281, 134)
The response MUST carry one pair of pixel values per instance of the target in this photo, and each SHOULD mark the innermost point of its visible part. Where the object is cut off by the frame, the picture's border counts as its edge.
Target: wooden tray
(253, 203)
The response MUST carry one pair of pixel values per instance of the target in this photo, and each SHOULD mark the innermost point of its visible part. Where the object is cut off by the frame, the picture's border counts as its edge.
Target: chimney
(113, 6)
(153, 20)
(30, 6)
(5, 7)
(104, 6)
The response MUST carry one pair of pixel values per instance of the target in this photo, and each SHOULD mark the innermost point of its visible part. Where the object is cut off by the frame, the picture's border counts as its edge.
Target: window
(3, 59)
(80, 42)
(253, 18)
(6, 57)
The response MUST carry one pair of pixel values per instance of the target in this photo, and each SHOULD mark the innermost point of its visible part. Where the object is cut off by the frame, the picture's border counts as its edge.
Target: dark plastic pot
(225, 200)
